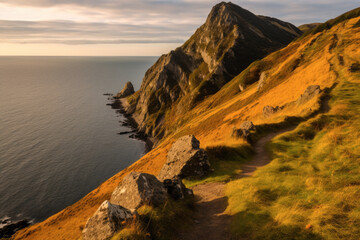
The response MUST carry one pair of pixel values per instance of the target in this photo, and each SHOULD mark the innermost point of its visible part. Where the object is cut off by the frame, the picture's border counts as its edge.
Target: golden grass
(312, 178)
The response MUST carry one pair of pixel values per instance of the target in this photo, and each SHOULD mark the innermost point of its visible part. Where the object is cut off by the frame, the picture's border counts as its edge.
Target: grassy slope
(305, 62)
(314, 179)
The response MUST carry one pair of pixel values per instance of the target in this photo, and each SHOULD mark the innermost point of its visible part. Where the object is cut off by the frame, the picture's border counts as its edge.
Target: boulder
(309, 93)
(176, 188)
(185, 159)
(269, 110)
(107, 220)
(138, 189)
(244, 131)
(127, 91)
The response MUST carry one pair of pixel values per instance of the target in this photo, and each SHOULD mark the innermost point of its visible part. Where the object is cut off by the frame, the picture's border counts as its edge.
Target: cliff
(310, 190)
(229, 40)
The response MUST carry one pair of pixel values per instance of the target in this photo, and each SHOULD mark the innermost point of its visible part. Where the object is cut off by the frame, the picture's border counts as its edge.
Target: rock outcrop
(262, 81)
(138, 189)
(106, 221)
(269, 110)
(244, 131)
(229, 41)
(176, 188)
(185, 159)
(309, 93)
(127, 91)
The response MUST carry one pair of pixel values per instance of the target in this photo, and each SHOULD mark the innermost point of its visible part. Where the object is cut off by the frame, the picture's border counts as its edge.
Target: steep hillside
(227, 43)
(310, 190)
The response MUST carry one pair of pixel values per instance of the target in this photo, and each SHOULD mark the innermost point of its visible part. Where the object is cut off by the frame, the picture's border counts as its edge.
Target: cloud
(68, 32)
(139, 21)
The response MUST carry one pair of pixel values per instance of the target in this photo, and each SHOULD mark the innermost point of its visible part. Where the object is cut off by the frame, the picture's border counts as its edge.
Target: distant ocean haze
(58, 139)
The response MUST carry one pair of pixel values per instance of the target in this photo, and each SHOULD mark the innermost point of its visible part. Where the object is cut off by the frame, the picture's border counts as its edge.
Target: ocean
(58, 138)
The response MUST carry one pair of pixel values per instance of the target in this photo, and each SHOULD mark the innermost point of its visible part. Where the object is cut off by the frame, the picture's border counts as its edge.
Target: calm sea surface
(58, 139)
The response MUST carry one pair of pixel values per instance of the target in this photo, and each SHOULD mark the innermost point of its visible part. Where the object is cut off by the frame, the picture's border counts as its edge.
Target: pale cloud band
(89, 22)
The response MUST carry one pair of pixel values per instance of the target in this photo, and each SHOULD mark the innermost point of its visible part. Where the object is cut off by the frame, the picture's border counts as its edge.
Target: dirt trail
(210, 221)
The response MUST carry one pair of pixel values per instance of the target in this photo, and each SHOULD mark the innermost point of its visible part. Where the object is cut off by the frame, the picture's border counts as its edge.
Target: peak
(227, 11)
(223, 7)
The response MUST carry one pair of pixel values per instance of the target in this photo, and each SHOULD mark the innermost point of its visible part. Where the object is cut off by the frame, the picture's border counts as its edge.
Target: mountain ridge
(205, 62)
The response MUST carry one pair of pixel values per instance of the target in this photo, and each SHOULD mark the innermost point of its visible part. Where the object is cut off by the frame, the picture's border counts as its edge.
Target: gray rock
(262, 80)
(269, 110)
(247, 126)
(185, 159)
(107, 220)
(244, 131)
(127, 91)
(176, 188)
(138, 189)
(309, 93)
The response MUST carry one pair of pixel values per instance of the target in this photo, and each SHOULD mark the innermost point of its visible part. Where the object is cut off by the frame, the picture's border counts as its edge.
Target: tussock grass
(164, 222)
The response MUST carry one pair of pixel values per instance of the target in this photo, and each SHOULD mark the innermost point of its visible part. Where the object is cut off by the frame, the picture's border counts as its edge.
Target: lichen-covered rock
(309, 93)
(127, 91)
(185, 159)
(138, 189)
(269, 110)
(176, 188)
(107, 220)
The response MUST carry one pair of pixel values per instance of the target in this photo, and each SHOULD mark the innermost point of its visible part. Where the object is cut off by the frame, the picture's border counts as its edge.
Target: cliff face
(220, 49)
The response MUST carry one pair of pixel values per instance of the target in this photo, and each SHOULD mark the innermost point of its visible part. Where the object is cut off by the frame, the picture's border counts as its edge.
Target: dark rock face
(244, 131)
(176, 189)
(138, 189)
(127, 91)
(309, 93)
(106, 221)
(229, 41)
(12, 227)
(185, 159)
(269, 110)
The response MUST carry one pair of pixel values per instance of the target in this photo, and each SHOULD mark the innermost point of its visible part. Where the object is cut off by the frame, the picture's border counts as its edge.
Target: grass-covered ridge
(311, 188)
(332, 22)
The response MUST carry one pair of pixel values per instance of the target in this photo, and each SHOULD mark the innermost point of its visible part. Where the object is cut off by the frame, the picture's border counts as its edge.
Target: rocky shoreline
(130, 122)
(9, 228)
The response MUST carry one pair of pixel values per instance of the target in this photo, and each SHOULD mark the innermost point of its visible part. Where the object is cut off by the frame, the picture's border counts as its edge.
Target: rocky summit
(229, 41)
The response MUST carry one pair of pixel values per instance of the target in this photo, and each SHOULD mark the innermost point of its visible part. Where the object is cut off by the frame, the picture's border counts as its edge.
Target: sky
(130, 27)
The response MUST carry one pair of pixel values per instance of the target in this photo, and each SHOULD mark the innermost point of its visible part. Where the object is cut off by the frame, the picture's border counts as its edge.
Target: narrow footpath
(210, 221)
